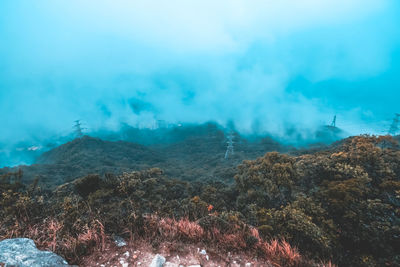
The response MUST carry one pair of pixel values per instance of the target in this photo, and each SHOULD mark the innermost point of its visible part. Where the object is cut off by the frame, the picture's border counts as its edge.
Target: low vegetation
(340, 205)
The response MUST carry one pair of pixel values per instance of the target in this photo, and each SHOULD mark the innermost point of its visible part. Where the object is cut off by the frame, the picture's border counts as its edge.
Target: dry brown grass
(279, 252)
(94, 234)
(51, 235)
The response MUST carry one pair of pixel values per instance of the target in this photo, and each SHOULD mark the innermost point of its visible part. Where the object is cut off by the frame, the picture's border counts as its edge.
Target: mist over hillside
(262, 65)
(214, 133)
(188, 152)
(164, 135)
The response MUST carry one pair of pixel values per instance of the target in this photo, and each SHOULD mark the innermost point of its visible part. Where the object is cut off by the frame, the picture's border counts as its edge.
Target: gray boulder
(22, 252)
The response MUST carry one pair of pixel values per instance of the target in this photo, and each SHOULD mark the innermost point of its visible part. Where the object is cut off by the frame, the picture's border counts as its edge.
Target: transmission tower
(229, 149)
(394, 128)
(78, 129)
(333, 123)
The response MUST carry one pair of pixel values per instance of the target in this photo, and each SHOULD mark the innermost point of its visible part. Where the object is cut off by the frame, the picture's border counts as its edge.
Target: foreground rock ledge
(22, 252)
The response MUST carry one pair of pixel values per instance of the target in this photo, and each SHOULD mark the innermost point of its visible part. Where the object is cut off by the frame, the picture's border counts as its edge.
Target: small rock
(119, 241)
(203, 252)
(198, 265)
(248, 264)
(158, 261)
(123, 263)
(126, 254)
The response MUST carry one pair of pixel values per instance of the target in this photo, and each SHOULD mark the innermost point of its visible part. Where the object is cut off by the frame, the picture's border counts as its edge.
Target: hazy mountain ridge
(187, 152)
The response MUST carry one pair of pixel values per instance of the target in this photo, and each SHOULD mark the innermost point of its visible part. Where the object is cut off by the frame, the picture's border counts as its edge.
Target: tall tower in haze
(229, 149)
(394, 128)
(333, 124)
(78, 129)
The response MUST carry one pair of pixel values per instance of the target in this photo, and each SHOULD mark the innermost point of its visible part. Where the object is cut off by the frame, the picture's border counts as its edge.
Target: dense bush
(342, 203)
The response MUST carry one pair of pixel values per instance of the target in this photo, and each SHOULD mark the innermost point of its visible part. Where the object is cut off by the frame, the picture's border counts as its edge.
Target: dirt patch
(141, 254)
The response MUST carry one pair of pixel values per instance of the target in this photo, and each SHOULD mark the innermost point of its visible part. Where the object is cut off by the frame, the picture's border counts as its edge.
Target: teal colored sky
(266, 65)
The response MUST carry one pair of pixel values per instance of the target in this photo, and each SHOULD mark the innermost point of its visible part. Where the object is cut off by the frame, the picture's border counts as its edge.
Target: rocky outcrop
(22, 252)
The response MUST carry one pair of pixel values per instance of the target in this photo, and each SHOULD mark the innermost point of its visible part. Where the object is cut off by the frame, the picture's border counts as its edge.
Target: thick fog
(266, 65)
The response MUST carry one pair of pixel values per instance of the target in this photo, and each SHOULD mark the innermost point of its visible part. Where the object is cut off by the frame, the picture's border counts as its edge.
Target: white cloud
(191, 60)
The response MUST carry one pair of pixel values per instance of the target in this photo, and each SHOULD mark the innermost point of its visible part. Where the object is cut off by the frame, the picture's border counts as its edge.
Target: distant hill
(74, 159)
(328, 134)
(188, 152)
(85, 150)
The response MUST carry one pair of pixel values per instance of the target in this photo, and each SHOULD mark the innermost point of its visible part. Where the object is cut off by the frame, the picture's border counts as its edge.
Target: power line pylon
(394, 128)
(333, 123)
(78, 129)
(229, 149)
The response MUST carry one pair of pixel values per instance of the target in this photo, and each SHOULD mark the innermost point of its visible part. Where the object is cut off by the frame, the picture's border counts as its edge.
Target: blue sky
(266, 65)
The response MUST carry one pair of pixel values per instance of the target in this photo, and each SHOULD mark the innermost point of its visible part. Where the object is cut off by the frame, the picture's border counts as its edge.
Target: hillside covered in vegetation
(190, 152)
(341, 204)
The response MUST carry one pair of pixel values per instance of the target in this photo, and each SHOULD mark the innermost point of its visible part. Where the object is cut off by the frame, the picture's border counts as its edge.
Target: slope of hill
(194, 152)
(89, 155)
(188, 152)
(86, 150)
